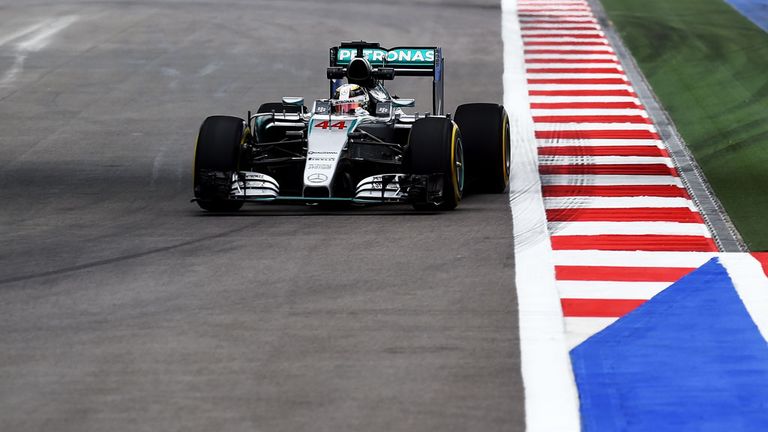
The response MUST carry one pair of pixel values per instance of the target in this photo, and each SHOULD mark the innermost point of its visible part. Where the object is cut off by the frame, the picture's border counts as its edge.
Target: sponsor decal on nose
(317, 178)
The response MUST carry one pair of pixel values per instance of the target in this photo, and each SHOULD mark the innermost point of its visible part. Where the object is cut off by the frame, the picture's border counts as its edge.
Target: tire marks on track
(39, 36)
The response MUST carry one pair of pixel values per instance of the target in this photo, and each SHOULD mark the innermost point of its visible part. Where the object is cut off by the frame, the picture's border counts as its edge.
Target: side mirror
(383, 73)
(297, 101)
(384, 109)
(322, 107)
(336, 73)
(403, 103)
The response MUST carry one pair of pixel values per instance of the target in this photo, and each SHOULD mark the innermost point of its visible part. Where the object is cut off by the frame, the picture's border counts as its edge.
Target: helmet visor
(344, 107)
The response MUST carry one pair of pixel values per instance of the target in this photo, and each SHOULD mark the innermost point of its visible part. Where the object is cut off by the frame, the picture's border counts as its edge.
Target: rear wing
(416, 61)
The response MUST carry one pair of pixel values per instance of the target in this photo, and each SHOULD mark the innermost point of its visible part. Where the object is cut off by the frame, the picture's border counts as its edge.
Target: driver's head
(348, 98)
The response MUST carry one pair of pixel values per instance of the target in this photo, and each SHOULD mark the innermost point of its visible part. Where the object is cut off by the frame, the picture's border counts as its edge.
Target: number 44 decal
(340, 125)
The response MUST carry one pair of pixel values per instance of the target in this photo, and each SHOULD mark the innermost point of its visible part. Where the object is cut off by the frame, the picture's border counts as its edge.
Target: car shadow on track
(304, 210)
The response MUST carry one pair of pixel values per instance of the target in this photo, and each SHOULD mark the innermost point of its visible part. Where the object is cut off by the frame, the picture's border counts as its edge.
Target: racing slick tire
(435, 147)
(217, 156)
(485, 131)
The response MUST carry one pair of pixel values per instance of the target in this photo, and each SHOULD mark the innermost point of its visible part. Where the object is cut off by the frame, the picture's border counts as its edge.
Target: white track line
(585, 75)
(556, 14)
(617, 202)
(550, 13)
(557, 4)
(751, 285)
(530, 4)
(627, 228)
(524, 4)
(587, 67)
(549, 6)
(590, 112)
(572, 99)
(552, 5)
(556, 65)
(604, 160)
(610, 289)
(534, 32)
(575, 49)
(570, 56)
(594, 126)
(549, 9)
(544, 20)
(560, 142)
(571, 10)
(558, 25)
(610, 180)
(595, 41)
(635, 259)
(577, 87)
(546, 366)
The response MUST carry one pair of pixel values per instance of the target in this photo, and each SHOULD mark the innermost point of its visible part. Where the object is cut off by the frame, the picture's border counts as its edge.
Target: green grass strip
(709, 67)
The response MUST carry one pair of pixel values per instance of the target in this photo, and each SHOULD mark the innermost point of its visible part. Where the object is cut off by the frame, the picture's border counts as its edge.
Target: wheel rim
(458, 166)
(507, 150)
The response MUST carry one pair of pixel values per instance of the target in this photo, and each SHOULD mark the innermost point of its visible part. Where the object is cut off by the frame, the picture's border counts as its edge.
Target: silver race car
(359, 145)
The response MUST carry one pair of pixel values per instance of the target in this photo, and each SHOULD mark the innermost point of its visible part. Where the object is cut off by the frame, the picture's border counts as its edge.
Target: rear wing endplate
(416, 61)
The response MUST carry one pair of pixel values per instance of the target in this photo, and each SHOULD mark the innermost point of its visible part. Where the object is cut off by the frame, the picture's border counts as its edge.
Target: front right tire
(435, 147)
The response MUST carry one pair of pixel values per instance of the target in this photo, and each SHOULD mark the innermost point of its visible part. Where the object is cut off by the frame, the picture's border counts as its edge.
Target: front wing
(384, 188)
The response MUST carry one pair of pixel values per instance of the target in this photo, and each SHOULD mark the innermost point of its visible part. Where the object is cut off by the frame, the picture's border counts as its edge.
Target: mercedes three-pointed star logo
(317, 178)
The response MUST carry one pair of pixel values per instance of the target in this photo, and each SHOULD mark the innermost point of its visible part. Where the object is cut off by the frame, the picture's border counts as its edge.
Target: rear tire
(435, 147)
(217, 156)
(485, 130)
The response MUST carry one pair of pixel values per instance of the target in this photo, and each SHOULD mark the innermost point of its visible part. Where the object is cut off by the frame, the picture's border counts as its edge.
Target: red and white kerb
(622, 225)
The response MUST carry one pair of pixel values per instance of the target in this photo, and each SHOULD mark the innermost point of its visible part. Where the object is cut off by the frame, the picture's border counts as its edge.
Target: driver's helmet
(348, 98)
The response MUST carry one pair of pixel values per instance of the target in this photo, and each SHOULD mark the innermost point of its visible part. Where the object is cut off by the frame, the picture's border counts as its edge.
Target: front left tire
(217, 156)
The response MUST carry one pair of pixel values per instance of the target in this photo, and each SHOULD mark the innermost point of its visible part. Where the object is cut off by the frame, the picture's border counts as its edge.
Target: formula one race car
(358, 145)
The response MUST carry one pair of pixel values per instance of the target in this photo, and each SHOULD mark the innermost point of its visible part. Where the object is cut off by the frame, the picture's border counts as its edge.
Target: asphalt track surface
(124, 307)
